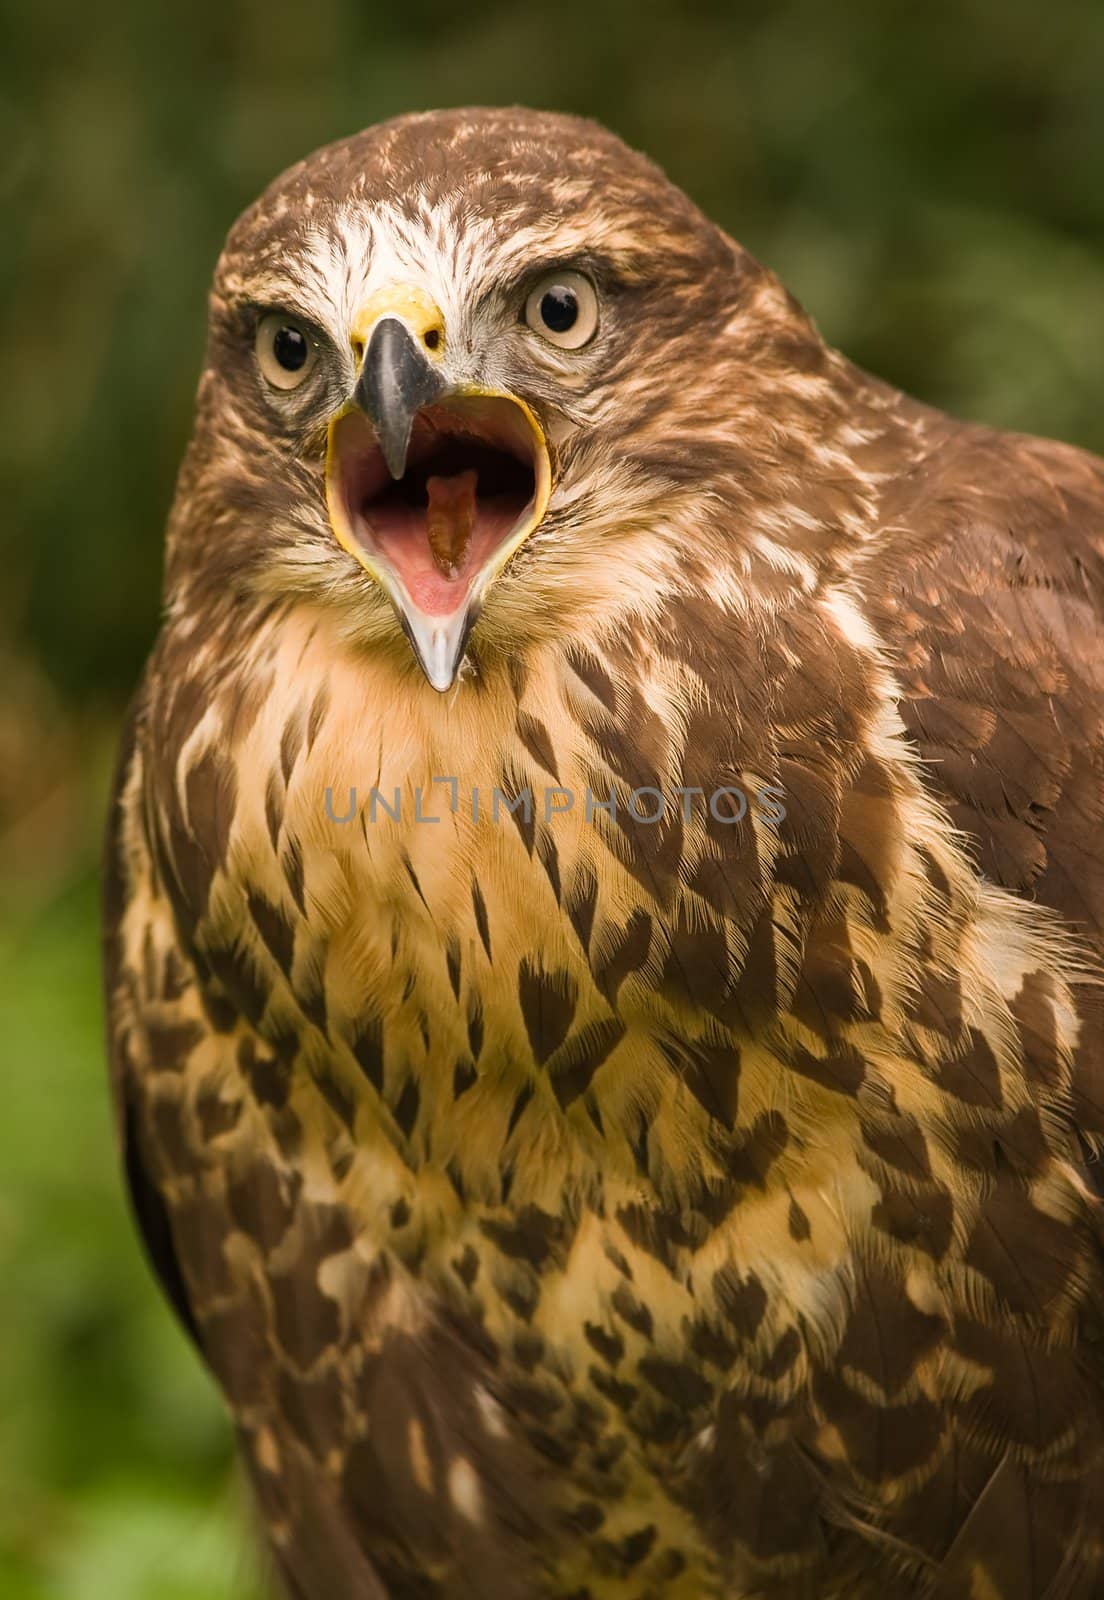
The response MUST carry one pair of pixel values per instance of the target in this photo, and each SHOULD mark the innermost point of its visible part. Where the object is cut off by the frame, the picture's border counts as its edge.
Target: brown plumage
(673, 1172)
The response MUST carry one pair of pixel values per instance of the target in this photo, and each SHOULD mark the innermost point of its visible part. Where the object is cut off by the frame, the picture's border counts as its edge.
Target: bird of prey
(604, 913)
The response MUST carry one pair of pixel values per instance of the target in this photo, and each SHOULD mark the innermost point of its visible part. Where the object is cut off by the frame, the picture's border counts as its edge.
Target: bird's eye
(286, 353)
(563, 308)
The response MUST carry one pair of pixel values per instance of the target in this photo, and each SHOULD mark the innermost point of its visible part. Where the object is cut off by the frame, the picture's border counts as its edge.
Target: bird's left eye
(563, 308)
(286, 353)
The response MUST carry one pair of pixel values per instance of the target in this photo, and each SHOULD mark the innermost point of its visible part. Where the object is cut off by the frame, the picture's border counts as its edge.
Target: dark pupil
(559, 309)
(290, 348)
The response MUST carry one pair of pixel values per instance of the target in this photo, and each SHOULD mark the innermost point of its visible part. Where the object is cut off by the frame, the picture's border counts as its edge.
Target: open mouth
(475, 484)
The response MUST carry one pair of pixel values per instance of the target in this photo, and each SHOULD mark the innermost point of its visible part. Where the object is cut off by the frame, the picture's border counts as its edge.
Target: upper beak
(395, 382)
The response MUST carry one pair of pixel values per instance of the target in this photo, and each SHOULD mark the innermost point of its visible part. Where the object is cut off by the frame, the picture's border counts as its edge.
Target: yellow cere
(411, 305)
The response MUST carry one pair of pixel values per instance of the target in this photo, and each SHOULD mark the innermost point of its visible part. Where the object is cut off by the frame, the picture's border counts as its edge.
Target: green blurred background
(927, 179)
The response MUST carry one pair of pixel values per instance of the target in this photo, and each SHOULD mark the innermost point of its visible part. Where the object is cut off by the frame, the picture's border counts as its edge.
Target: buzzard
(604, 906)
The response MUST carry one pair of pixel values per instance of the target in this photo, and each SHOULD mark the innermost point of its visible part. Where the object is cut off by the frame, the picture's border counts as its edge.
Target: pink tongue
(437, 550)
(450, 518)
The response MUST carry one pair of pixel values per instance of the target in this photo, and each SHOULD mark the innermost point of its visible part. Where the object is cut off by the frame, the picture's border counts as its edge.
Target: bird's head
(481, 370)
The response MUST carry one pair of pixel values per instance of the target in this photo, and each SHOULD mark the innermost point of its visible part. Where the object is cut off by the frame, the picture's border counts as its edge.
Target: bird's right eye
(286, 353)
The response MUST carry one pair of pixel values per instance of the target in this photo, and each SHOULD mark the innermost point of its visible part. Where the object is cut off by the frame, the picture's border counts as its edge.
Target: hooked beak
(395, 382)
(432, 488)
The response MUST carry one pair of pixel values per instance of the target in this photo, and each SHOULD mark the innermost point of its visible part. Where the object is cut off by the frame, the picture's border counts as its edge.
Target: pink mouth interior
(469, 481)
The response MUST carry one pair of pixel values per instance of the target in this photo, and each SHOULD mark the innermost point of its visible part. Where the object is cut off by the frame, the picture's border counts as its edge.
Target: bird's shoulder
(986, 583)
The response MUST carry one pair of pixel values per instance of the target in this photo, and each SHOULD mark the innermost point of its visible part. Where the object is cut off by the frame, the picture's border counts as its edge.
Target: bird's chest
(480, 1119)
(464, 968)
(440, 910)
(427, 899)
(439, 866)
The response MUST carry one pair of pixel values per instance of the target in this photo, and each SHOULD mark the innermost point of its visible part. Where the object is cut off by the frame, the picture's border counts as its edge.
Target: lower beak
(432, 489)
